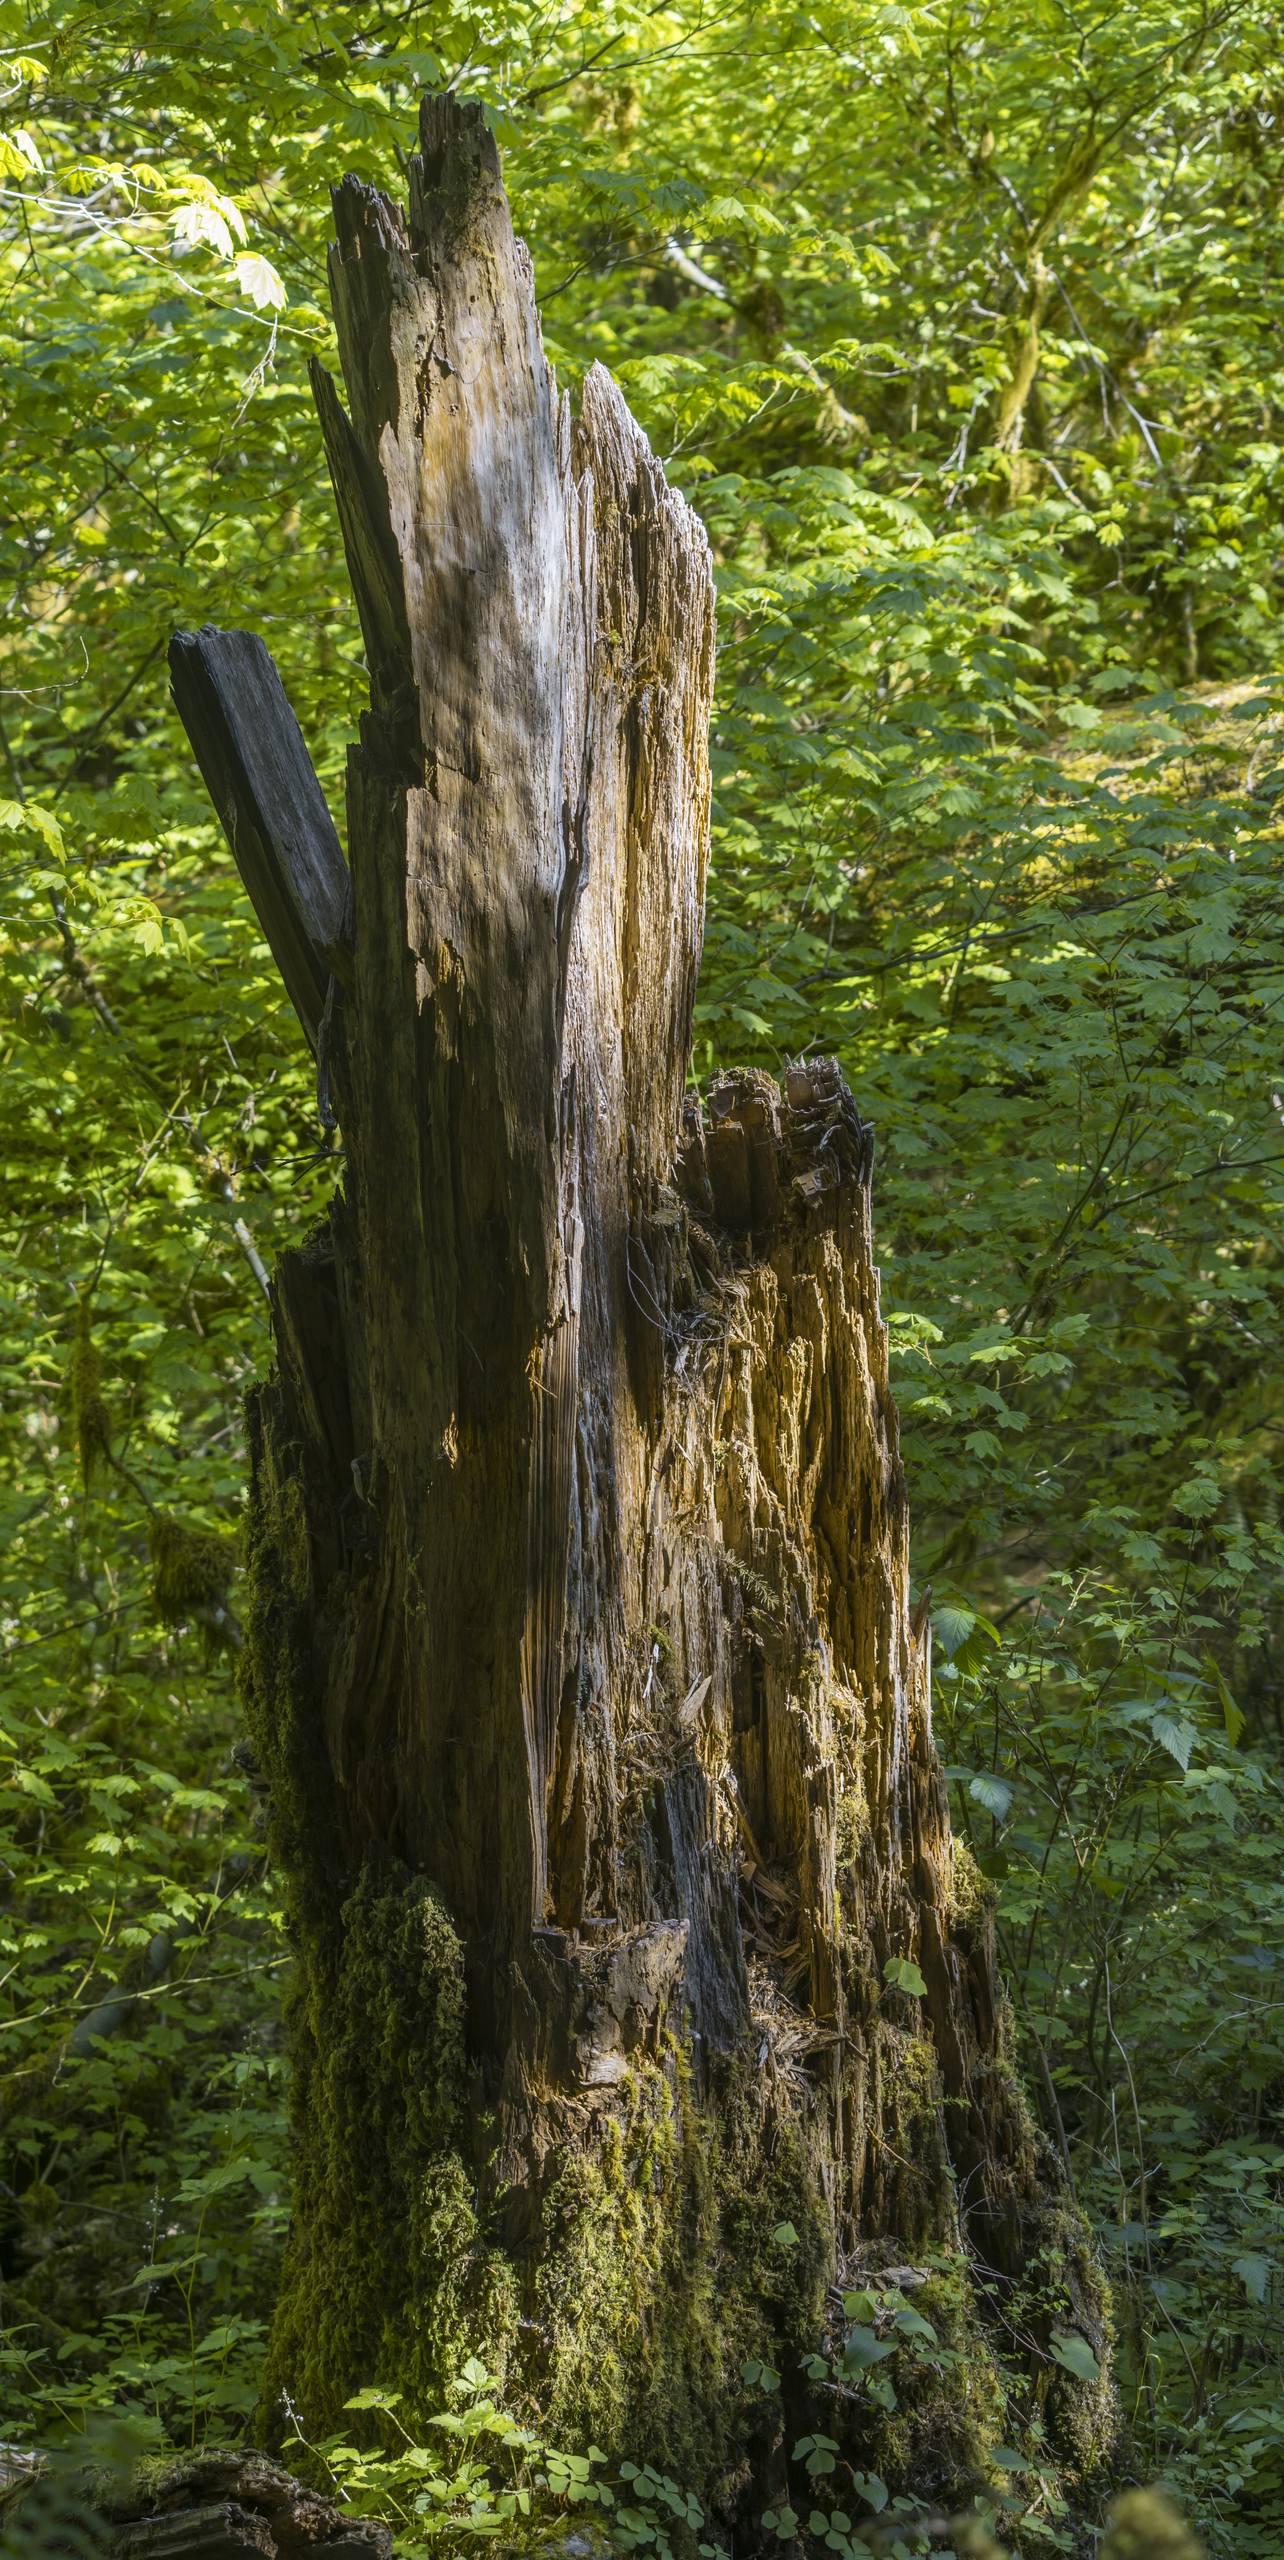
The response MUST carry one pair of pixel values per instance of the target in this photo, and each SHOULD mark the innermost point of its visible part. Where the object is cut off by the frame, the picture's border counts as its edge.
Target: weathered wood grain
(259, 776)
(581, 1530)
(233, 2505)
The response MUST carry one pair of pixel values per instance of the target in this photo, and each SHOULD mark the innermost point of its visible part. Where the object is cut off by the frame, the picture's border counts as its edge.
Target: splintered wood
(599, 1556)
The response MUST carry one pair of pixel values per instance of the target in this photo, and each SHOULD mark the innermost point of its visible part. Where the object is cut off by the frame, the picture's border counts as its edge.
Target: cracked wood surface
(582, 1391)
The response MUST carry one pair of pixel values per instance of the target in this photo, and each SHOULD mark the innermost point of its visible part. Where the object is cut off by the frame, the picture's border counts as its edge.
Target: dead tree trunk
(580, 1657)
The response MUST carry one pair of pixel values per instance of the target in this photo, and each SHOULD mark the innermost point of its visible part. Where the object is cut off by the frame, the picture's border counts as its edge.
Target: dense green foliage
(957, 325)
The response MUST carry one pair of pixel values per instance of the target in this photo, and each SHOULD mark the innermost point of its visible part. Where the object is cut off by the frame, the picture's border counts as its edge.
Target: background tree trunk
(580, 1659)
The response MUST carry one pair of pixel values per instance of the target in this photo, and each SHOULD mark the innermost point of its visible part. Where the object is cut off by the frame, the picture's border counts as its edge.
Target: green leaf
(1175, 1734)
(1254, 2272)
(1074, 2354)
(258, 280)
(1232, 1716)
(952, 1624)
(15, 815)
(759, 2376)
(862, 2349)
(903, 1975)
(994, 1794)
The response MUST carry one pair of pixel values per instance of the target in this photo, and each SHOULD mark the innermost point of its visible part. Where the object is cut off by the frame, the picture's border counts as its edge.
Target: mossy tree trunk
(580, 1659)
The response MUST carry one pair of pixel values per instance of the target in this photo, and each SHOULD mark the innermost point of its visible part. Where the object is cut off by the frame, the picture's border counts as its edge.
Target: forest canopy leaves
(958, 324)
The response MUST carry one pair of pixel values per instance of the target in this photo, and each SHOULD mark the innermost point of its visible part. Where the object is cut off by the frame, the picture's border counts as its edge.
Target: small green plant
(483, 2472)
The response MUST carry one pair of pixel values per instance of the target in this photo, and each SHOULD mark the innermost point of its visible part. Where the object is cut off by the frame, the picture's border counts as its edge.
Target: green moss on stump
(942, 2437)
(1063, 2289)
(663, 2274)
(669, 2242)
(648, 2266)
(657, 2270)
(387, 2277)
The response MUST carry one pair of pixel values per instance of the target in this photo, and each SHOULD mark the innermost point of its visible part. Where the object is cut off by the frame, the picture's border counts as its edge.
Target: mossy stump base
(580, 1661)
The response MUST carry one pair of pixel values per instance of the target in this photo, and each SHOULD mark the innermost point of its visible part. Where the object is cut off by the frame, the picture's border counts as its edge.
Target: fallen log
(236, 2506)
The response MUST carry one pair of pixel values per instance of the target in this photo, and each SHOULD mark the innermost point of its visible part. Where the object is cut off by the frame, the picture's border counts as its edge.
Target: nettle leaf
(952, 1624)
(1175, 1734)
(995, 1794)
(963, 1637)
(1254, 2272)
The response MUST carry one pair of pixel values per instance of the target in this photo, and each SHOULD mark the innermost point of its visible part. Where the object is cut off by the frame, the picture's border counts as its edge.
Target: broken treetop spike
(457, 160)
(454, 175)
(454, 139)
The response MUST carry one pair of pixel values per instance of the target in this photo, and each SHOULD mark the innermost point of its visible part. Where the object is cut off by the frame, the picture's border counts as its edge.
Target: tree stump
(579, 1658)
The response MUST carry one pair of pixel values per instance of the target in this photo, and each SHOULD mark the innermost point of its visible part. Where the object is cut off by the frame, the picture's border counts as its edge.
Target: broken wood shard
(260, 778)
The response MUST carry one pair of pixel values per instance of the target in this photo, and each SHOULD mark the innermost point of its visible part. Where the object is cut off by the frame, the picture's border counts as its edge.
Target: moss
(603, 2229)
(913, 2185)
(387, 2277)
(972, 1896)
(662, 2275)
(1062, 2289)
(618, 2287)
(1143, 2524)
(655, 2272)
(969, 2399)
(90, 1419)
(668, 2240)
(851, 1826)
(192, 1572)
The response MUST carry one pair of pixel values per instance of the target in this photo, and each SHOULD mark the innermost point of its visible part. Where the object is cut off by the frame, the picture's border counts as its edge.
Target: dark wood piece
(219, 2530)
(229, 2506)
(259, 776)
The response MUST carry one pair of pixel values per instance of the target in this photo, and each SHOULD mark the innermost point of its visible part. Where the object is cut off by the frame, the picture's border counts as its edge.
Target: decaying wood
(233, 2505)
(582, 1527)
(218, 2529)
(260, 779)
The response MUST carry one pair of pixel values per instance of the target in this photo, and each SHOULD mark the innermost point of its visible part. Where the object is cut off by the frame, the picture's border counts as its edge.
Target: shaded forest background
(959, 326)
